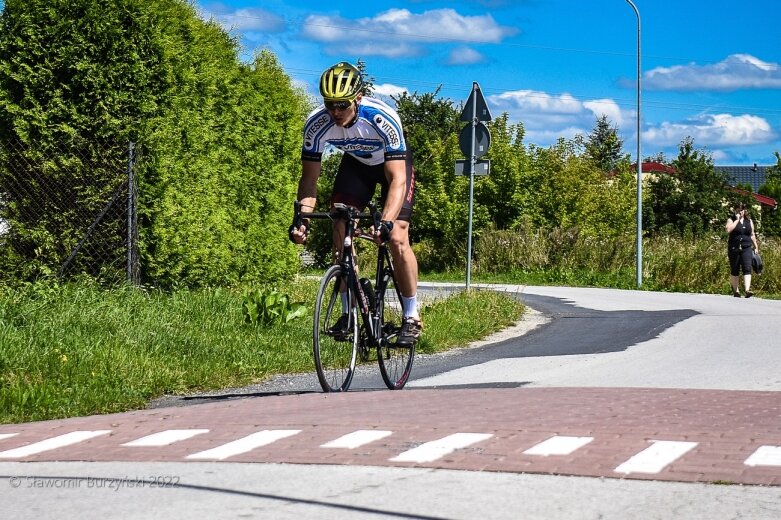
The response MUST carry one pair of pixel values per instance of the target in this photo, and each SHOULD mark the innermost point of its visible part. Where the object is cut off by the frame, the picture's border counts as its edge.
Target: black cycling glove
(386, 226)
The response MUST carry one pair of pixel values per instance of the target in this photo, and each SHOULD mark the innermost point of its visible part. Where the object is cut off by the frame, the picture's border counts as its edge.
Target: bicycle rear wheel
(395, 360)
(334, 350)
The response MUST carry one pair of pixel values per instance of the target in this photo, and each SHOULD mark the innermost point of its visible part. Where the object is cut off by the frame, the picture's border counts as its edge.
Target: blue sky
(711, 70)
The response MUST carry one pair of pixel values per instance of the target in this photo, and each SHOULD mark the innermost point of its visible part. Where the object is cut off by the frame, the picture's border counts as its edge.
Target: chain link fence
(68, 210)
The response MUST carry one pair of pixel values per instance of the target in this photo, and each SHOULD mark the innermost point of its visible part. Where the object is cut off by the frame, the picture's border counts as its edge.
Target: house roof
(654, 167)
(754, 176)
(762, 199)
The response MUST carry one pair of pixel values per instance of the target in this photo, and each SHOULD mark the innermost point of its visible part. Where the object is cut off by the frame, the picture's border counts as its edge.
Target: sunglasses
(338, 105)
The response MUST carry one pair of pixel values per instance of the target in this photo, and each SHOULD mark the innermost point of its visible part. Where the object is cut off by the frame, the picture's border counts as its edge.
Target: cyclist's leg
(404, 260)
(405, 264)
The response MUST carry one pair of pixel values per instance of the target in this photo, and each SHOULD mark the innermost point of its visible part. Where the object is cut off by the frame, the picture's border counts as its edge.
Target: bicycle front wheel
(335, 336)
(395, 360)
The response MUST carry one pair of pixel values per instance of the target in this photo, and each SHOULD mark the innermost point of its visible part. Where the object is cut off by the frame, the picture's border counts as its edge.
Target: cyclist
(370, 134)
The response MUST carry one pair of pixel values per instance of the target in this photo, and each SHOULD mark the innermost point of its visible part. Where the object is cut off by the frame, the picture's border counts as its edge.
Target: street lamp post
(639, 162)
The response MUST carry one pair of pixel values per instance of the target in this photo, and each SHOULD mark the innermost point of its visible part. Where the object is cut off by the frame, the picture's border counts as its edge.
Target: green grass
(479, 313)
(77, 349)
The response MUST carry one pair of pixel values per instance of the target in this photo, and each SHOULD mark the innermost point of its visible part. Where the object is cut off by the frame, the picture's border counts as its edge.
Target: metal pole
(472, 161)
(130, 211)
(639, 162)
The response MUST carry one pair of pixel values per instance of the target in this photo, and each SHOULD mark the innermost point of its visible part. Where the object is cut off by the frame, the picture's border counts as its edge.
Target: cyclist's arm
(396, 174)
(307, 196)
(307, 184)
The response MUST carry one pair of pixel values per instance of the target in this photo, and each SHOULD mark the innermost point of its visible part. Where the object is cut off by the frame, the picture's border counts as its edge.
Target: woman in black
(741, 246)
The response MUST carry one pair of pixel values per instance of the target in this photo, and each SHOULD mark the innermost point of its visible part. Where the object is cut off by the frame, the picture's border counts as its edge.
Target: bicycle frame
(369, 313)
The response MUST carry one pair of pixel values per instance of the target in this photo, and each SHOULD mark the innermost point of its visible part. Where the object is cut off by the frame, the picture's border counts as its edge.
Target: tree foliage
(692, 200)
(771, 217)
(441, 199)
(219, 138)
(529, 188)
(604, 147)
(76, 80)
(368, 81)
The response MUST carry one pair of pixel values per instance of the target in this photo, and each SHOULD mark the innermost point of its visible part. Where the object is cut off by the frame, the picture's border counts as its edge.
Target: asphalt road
(600, 404)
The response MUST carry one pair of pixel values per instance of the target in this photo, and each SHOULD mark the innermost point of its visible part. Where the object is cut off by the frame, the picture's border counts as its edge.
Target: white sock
(410, 306)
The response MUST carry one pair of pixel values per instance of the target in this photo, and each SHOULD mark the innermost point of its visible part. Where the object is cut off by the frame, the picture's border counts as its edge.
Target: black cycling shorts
(356, 182)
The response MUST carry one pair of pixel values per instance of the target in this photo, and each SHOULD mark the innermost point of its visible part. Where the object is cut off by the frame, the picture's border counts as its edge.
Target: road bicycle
(342, 291)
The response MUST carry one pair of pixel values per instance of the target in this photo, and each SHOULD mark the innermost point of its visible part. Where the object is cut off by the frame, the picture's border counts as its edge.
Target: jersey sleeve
(387, 124)
(317, 125)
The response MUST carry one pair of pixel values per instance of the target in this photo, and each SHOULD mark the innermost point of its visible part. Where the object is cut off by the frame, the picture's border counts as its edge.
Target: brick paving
(727, 427)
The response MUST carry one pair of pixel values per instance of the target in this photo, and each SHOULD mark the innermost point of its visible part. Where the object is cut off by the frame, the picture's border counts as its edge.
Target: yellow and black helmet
(341, 82)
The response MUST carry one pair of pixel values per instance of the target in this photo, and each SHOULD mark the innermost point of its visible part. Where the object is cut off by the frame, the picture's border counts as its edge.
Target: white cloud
(546, 137)
(404, 29)
(607, 107)
(713, 130)
(536, 101)
(737, 71)
(720, 156)
(250, 19)
(464, 56)
(548, 117)
(388, 89)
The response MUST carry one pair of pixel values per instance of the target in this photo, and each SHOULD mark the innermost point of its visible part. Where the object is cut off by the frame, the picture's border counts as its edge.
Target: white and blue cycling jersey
(374, 137)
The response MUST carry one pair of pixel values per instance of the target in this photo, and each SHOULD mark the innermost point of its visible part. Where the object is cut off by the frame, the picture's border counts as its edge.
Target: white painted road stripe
(7, 435)
(558, 445)
(243, 445)
(434, 450)
(654, 458)
(165, 438)
(356, 439)
(53, 443)
(765, 456)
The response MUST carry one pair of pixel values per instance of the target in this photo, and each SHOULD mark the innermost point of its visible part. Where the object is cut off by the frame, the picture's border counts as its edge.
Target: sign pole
(472, 160)
(473, 146)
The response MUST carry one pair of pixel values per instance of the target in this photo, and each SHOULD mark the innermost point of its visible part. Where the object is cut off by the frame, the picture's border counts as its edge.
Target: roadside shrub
(434, 256)
(670, 262)
(506, 251)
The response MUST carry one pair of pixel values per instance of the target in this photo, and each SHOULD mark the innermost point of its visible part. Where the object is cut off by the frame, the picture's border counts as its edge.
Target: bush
(506, 251)
(219, 139)
(670, 262)
(440, 256)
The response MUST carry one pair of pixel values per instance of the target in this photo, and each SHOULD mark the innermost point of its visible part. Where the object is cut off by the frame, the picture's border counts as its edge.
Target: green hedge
(218, 138)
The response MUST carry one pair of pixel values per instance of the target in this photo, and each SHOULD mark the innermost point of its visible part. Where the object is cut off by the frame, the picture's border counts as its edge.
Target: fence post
(132, 216)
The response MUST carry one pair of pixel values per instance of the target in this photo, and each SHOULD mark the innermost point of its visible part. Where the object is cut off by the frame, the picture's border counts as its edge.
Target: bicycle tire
(334, 354)
(395, 360)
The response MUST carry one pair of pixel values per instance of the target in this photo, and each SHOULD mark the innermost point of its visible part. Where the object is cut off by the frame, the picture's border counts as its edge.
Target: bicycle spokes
(395, 360)
(335, 335)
